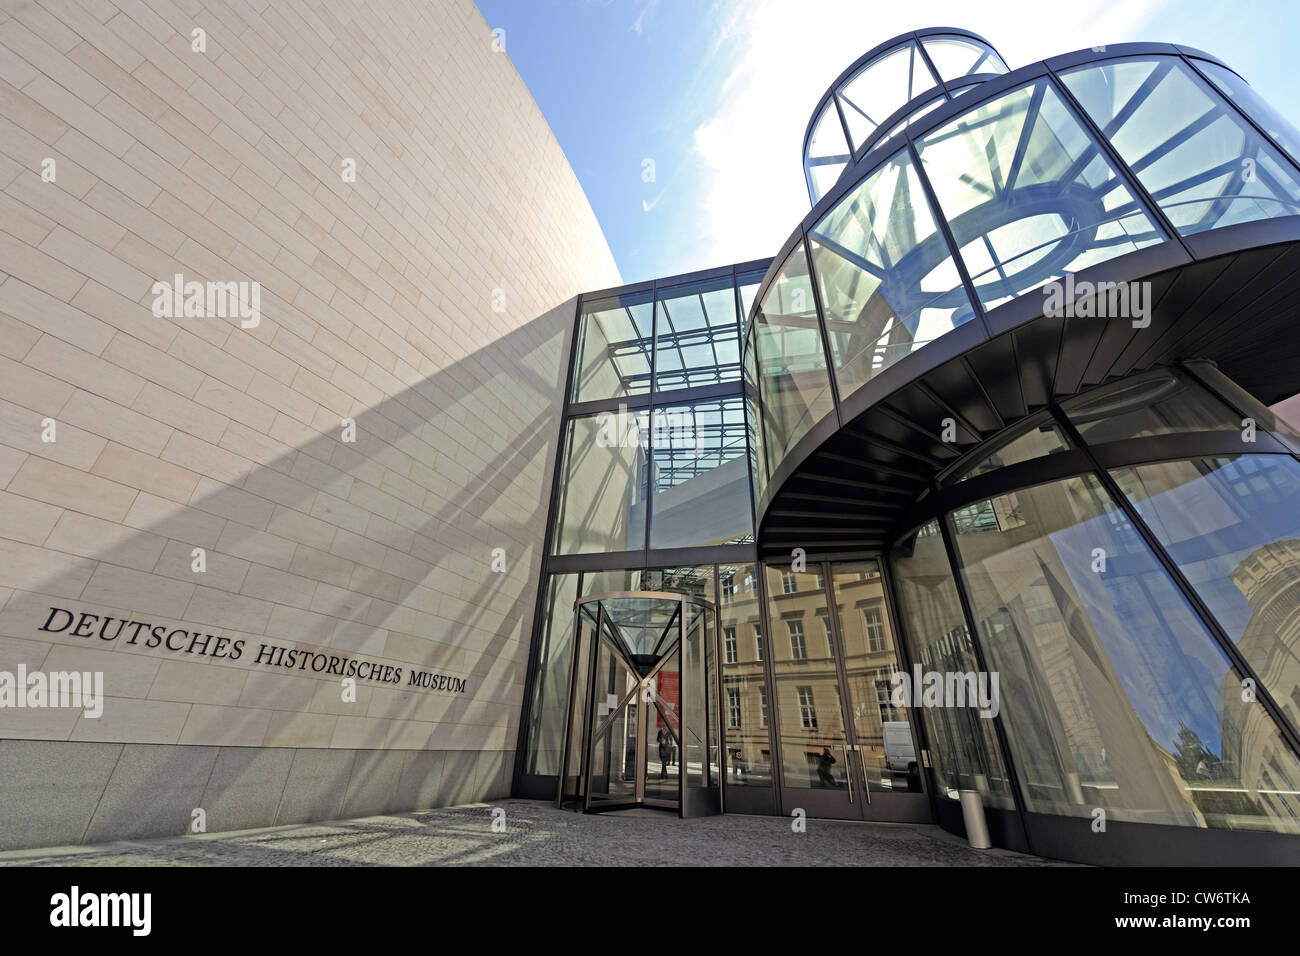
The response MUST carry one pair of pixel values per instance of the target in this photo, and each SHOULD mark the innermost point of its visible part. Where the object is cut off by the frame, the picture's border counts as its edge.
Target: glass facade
(746, 719)
(887, 282)
(793, 386)
(1095, 608)
(1034, 182)
(806, 683)
(602, 505)
(1200, 160)
(1028, 194)
(1233, 526)
(614, 347)
(697, 335)
(881, 725)
(699, 485)
(1115, 693)
(964, 745)
(895, 86)
(656, 453)
(1096, 600)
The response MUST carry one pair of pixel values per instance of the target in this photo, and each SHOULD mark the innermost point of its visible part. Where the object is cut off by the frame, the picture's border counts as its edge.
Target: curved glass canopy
(1047, 172)
(891, 86)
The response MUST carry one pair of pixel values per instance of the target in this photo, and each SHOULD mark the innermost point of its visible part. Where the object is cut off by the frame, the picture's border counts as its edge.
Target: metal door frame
(588, 729)
(861, 804)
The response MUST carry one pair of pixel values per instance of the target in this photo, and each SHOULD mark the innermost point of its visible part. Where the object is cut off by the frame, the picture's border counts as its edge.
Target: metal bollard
(972, 814)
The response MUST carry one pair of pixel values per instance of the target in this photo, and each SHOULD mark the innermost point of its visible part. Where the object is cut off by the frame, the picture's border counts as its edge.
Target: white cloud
(648, 10)
(784, 55)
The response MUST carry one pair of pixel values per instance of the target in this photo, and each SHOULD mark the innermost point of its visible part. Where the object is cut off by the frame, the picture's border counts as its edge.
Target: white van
(899, 752)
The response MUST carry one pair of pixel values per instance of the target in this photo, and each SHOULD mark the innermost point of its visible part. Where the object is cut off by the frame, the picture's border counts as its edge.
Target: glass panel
(1233, 526)
(807, 684)
(881, 88)
(695, 698)
(605, 582)
(1201, 161)
(963, 744)
(573, 784)
(824, 176)
(713, 778)
(1038, 440)
(614, 348)
(642, 626)
(697, 337)
(550, 689)
(746, 721)
(883, 731)
(1028, 195)
(664, 746)
(1162, 404)
(615, 721)
(1266, 418)
(885, 273)
(1113, 693)
(602, 500)
(828, 135)
(1253, 105)
(754, 417)
(955, 58)
(694, 581)
(794, 386)
(700, 480)
(748, 283)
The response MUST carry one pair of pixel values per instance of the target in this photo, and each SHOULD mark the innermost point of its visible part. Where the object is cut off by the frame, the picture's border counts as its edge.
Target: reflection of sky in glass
(1213, 522)
(1204, 164)
(1168, 664)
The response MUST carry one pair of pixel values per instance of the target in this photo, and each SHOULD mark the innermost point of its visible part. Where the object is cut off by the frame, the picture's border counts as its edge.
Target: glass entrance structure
(993, 499)
(643, 706)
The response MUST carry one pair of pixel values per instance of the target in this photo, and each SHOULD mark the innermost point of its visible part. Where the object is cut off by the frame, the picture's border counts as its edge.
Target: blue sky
(717, 94)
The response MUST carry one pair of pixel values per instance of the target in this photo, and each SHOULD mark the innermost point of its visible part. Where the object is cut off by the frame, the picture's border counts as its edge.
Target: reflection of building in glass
(1000, 403)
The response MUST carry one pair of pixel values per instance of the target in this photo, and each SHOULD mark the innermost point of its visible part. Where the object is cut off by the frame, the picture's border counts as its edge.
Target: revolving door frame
(584, 736)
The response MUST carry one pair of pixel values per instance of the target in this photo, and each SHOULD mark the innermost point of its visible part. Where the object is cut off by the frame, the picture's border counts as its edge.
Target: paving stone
(536, 834)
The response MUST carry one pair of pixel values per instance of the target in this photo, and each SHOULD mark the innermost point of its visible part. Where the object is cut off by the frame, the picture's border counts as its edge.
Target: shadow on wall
(414, 587)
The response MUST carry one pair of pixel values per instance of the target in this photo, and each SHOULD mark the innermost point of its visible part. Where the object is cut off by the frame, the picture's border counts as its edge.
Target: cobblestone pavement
(536, 834)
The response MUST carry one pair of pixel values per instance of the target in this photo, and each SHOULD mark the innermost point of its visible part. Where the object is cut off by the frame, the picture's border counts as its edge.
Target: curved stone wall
(332, 435)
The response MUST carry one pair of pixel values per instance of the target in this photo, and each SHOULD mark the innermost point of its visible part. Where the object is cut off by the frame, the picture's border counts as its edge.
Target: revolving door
(642, 721)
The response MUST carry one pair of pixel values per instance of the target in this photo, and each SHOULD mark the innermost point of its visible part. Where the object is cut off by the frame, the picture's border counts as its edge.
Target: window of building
(798, 647)
(762, 706)
(758, 641)
(733, 707)
(807, 708)
(729, 643)
(830, 641)
(875, 628)
(726, 590)
(788, 583)
(884, 697)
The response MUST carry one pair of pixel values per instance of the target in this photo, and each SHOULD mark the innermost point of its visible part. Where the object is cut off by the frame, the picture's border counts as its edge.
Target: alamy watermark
(1071, 299)
(976, 689)
(664, 429)
(196, 300)
(38, 689)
